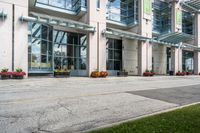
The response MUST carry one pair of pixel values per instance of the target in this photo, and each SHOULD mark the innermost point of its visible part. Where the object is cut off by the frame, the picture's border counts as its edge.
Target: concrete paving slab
(178, 95)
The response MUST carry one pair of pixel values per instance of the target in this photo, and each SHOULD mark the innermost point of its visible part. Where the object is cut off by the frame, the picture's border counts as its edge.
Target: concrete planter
(122, 74)
(61, 74)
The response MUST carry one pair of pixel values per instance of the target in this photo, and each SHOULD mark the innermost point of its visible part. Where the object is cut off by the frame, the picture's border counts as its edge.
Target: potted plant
(152, 73)
(18, 74)
(179, 73)
(188, 73)
(61, 73)
(123, 73)
(5, 74)
(148, 73)
(95, 74)
(103, 74)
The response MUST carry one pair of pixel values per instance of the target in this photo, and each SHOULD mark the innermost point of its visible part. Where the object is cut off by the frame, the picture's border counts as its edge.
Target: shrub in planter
(188, 73)
(95, 74)
(5, 74)
(148, 73)
(180, 73)
(103, 74)
(18, 74)
(61, 73)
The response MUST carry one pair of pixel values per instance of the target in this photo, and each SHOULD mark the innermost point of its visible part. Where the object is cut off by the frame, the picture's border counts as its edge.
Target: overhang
(125, 34)
(175, 37)
(192, 5)
(55, 21)
(134, 36)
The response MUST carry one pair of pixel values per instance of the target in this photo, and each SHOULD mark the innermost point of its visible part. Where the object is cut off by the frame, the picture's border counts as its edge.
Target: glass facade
(123, 11)
(188, 61)
(40, 48)
(50, 49)
(114, 54)
(188, 23)
(72, 5)
(161, 17)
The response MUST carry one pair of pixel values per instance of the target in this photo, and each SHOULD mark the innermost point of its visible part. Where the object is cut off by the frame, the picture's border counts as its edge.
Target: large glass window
(188, 61)
(73, 5)
(70, 50)
(114, 54)
(40, 48)
(188, 23)
(161, 17)
(123, 11)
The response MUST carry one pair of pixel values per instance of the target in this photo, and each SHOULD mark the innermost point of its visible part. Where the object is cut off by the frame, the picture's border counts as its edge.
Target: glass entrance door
(114, 56)
(70, 52)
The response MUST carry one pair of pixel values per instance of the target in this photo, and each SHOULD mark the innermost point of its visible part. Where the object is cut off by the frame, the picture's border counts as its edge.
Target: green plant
(147, 71)
(4, 70)
(61, 70)
(19, 70)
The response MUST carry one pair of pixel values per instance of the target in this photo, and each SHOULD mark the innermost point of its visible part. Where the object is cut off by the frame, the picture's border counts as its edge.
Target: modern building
(40, 36)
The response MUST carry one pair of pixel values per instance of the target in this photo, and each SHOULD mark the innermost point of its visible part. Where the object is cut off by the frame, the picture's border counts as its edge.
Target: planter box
(122, 74)
(171, 73)
(4, 77)
(61, 74)
(17, 77)
(148, 74)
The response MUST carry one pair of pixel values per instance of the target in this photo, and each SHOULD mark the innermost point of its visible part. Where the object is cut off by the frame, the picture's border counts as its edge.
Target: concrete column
(144, 57)
(197, 43)
(144, 48)
(130, 56)
(20, 37)
(160, 59)
(176, 53)
(97, 42)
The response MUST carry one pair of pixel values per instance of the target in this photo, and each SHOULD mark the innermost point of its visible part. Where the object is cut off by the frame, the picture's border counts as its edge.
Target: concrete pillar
(160, 59)
(14, 36)
(145, 48)
(20, 37)
(144, 57)
(130, 56)
(197, 43)
(176, 53)
(97, 42)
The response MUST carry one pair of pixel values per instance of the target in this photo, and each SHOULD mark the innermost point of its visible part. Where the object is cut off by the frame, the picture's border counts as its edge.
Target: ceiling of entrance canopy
(191, 5)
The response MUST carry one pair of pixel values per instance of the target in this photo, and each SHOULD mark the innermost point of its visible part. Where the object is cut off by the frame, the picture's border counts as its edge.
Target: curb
(140, 117)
